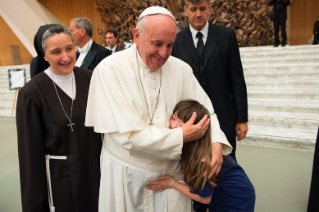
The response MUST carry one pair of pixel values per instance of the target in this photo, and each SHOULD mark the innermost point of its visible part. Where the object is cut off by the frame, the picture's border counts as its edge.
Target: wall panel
(7, 38)
(65, 10)
(303, 16)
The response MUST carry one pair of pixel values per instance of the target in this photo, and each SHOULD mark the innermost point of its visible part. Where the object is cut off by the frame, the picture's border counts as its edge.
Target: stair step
(303, 93)
(281, 86)
(7, 93)
(6, 117)
(281, 137)
(284, 50)
(283, 106)
(279, 53)
(291, 59)
(283, 122)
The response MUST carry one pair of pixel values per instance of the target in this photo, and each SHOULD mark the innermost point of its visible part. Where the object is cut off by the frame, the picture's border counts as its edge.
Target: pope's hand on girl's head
(193, 132)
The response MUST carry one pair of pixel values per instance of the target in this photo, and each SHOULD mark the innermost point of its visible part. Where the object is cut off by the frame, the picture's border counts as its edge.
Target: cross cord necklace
(159, 91)
(69, 118)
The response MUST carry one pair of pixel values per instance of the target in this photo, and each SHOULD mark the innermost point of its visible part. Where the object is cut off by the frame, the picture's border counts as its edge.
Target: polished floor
(281, 177)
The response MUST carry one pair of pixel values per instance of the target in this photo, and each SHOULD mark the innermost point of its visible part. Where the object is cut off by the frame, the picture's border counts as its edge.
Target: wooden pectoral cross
(70, 125)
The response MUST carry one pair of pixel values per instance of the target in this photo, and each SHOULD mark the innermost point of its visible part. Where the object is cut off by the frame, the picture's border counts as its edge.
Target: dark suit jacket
(118, 49)
(316, 27)
(223, 73)
(279, 14)
(95, 55)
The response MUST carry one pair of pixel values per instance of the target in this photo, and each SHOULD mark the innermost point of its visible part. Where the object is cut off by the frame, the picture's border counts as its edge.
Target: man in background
(279, 19)
(212, 52)
(111, 38)
(89, 53)
(316, 32)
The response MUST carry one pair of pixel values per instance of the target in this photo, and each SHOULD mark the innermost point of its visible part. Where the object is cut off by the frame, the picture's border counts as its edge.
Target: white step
(284, 119)
(6, 107)
(282, 84)
(290, 59)
(281, 53)
(288, 105)
(301, 93)
(281, 137)
(284, 50)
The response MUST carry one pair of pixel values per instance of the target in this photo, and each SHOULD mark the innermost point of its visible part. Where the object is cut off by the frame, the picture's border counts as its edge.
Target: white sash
(47, 164)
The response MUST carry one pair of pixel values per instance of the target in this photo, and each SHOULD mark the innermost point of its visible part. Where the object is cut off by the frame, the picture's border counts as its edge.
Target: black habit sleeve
(31, 155)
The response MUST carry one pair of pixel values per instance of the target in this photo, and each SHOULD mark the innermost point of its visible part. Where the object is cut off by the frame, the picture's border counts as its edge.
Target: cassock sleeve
(197, 93)
(152, 143)
(31, 155)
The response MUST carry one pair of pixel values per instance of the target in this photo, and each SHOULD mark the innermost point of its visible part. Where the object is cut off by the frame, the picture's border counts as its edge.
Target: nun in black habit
(59, 157)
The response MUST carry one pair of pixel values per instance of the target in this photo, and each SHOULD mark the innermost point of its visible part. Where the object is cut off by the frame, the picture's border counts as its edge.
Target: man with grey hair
(212, 52)
(89, 53)
(131, 99)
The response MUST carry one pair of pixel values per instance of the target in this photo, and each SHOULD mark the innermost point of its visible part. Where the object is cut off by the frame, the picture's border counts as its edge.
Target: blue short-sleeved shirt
(234, 191)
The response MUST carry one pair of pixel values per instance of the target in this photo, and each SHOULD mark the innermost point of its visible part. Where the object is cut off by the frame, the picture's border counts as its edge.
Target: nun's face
(60, 54)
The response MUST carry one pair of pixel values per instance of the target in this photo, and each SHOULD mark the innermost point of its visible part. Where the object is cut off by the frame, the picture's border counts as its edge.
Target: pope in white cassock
(131, 98)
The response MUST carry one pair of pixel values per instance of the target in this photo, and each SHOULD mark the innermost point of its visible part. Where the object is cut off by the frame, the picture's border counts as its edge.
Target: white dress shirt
(113, 50)
(204, 31)
(83, 52)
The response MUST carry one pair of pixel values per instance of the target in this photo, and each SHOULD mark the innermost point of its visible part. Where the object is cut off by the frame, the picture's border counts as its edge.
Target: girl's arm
(168, 182)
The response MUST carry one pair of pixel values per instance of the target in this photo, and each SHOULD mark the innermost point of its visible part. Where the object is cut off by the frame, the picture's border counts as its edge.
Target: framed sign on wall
(17, 78)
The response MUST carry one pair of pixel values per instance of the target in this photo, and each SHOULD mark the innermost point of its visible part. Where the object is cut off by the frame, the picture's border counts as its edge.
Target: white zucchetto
(156, 10)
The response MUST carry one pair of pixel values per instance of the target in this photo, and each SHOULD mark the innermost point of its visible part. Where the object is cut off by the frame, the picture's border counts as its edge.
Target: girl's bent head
(196, 155)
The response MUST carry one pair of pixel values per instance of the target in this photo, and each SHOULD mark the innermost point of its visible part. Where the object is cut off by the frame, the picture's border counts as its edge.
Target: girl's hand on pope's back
(163, 183)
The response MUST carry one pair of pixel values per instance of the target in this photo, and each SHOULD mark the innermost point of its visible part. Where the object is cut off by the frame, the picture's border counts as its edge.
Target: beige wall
(7, 38)
(303, 16)
(65, 10)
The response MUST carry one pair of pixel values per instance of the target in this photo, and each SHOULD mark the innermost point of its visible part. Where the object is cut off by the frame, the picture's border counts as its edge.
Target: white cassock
(135, 153)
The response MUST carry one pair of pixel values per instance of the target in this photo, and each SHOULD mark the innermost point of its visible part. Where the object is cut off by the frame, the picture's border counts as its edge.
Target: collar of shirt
(204, 31)
(85, 49)
(113, 50)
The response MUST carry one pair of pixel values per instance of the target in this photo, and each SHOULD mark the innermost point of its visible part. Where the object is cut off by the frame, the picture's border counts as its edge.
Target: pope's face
(197, 14)
(175, 122)
(155, 42)
(60, 54)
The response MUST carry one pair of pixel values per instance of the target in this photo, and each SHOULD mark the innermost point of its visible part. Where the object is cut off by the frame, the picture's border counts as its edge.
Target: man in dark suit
(215, 60)
(316, 32)
(212, 52)
(313, 204)
(279, 19)
(111, 38)
(89, 53)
